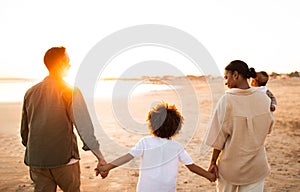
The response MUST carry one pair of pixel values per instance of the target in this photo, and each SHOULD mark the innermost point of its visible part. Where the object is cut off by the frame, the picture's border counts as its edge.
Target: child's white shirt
(159, 167)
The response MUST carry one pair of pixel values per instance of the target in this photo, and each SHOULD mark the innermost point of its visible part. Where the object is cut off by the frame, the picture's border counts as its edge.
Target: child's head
(261, 79)
(165, 120)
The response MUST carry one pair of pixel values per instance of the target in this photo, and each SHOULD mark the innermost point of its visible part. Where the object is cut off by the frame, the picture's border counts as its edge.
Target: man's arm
(24, 126)
(79, 114)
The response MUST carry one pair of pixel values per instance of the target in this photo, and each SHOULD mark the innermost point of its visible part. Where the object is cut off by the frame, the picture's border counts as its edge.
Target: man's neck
(55, 76)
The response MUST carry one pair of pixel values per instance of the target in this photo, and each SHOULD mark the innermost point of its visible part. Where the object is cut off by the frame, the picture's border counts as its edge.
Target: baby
(260, 81)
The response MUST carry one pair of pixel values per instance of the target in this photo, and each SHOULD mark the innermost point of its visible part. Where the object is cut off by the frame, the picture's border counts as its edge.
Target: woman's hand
(213, 168)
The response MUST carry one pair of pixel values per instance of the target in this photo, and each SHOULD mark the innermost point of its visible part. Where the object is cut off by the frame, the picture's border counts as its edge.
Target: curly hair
(165, 120)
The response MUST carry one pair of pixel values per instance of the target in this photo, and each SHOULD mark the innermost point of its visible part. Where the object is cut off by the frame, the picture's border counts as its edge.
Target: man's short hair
(53, 56)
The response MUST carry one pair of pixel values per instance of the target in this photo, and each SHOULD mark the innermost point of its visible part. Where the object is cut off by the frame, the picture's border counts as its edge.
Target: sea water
(14, 90)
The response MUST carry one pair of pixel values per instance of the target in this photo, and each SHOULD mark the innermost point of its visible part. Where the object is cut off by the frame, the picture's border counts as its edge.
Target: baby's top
(270, 95)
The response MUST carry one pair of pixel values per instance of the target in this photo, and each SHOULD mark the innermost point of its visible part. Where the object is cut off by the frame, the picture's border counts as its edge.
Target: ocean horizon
(14, 89)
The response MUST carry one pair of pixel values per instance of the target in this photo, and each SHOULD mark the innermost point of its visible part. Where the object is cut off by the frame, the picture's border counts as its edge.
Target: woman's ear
(235, 75)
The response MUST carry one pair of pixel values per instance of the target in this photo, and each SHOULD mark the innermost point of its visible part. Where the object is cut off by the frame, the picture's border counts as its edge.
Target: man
(47, 128)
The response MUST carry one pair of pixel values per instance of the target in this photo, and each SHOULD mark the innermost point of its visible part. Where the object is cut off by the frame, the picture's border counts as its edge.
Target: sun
(70, 78)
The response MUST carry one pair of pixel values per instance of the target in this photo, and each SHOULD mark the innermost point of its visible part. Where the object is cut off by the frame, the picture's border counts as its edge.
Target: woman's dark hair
(164, 120)
(242, 68)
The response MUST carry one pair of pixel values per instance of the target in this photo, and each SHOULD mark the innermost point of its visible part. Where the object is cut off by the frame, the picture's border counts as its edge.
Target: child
(260, 81)
(160, 154)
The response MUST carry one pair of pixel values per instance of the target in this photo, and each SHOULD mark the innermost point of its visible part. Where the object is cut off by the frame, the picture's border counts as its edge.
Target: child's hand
(103, 174)
(212, 177)
(102, 170)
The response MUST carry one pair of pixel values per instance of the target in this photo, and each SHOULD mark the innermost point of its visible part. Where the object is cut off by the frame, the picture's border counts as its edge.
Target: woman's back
(247, 121)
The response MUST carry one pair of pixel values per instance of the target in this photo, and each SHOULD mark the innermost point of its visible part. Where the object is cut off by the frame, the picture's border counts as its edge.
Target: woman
(240, 123)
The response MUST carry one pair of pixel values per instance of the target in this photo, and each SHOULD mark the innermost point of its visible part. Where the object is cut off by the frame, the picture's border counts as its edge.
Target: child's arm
(200, 171)
(117, 162)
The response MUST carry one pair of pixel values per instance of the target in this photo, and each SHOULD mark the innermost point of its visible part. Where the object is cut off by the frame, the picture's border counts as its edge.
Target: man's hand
(103, 168)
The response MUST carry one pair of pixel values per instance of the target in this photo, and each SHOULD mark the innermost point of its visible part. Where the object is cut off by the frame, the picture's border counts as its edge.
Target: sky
(263, 33)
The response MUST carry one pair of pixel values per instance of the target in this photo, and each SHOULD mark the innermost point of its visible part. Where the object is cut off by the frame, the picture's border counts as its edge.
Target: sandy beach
(117, 134)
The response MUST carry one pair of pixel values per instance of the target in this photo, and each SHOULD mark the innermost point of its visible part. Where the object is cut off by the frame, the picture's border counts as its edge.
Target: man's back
(47, 128)
(51, 141)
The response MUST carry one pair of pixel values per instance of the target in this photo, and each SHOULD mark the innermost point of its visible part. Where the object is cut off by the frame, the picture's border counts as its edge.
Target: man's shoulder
(50, 84)
(34, 87)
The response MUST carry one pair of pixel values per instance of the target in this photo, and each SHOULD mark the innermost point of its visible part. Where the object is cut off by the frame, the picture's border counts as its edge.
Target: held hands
(213, 168)
(103, 170)
(211, 177)
(99, 169)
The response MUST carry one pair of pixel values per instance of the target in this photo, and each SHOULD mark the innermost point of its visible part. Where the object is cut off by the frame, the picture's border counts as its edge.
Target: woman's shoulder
(224, 99)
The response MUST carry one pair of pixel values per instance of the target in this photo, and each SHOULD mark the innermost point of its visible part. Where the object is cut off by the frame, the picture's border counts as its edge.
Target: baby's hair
(262, 78)
(165, 120)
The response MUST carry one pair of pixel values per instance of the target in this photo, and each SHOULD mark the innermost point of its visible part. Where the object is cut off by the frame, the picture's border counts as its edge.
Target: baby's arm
(273, 100)
(200, 171)
(116, 163)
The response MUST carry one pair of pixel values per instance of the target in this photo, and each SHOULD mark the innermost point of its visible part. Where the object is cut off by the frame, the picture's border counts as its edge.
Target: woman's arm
(213, 168)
